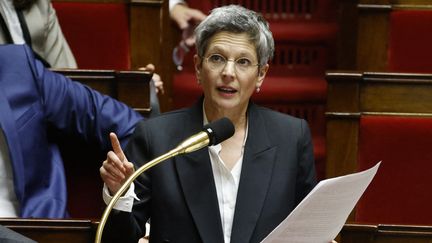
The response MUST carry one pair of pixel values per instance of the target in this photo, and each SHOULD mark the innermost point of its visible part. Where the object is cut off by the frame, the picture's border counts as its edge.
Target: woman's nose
(229, 68)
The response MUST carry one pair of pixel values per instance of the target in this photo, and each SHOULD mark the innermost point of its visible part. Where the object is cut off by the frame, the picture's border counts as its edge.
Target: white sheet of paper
(323, 212)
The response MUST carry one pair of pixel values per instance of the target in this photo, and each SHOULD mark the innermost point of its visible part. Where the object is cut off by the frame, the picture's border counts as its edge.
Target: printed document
(323, 212)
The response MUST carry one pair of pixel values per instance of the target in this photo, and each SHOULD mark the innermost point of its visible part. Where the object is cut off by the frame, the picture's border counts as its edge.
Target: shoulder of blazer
(275, 117)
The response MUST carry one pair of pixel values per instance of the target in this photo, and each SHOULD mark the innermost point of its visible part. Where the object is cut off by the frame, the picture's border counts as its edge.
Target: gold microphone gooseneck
(194, 143)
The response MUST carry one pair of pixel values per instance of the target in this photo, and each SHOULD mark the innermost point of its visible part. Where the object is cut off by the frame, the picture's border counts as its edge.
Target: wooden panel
(369, 92)
(54, 231)
(411, 2)
(342, 141)
(396, 93)
(94, 1)
(358, 233)
(397, 97)
(145, 27)
(130, 87)
(352, 233)
(151, 41)
(347, 35)
(342, 92)
(133, 88)
(372, 38)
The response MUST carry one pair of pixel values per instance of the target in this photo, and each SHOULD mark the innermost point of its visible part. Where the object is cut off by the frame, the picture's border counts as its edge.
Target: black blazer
(179, 195)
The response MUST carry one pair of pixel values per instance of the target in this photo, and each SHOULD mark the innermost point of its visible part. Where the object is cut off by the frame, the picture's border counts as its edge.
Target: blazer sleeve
(74, 108)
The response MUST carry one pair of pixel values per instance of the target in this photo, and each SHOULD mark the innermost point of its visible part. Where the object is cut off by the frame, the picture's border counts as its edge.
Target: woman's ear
(261, 75)
(263, 71)
(197, 65)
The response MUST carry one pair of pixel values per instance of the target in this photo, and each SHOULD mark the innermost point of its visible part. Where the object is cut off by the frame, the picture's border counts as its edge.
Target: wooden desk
(362, 233)
(130, 87)
(54, 231)
(83, 231)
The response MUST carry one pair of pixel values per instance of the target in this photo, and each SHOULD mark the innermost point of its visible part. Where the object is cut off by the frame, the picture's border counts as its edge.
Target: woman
(236, 191)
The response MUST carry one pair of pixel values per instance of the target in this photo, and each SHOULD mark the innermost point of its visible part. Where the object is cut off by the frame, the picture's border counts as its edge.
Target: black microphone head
(219, 130)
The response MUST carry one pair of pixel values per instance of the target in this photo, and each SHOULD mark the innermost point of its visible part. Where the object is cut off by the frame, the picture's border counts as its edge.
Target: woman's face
(229, 72)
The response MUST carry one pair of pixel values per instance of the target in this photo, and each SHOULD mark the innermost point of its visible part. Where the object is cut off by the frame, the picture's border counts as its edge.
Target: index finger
(116, 146)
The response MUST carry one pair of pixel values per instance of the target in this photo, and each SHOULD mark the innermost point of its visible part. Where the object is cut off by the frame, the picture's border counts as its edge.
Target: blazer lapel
(197, 182)
(255, 178)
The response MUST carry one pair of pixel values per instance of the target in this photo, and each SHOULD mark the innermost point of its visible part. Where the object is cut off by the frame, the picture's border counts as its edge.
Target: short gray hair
(236, 19)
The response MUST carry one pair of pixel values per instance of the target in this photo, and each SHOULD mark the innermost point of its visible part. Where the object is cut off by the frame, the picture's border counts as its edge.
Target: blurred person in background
(35, 23)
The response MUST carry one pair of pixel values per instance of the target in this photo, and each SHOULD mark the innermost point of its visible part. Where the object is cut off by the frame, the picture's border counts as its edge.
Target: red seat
(401, 190)
(295, 89)
(410, 48)
(98, 33)
(292, 89)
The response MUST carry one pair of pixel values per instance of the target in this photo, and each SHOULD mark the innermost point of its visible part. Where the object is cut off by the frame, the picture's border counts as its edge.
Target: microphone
(212, 133)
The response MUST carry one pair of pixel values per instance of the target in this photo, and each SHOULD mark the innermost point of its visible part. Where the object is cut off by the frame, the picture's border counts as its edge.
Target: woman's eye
(217, 58)
(244, 62)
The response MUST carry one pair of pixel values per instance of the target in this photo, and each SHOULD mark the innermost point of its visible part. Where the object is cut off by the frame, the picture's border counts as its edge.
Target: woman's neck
(232, 148)
(237, 117)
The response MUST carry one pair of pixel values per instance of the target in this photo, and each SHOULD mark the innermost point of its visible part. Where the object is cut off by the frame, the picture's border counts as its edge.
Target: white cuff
(172, 3)
(124, 203)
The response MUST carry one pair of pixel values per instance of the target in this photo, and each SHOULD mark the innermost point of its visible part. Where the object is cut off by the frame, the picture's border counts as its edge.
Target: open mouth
(226, 90)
